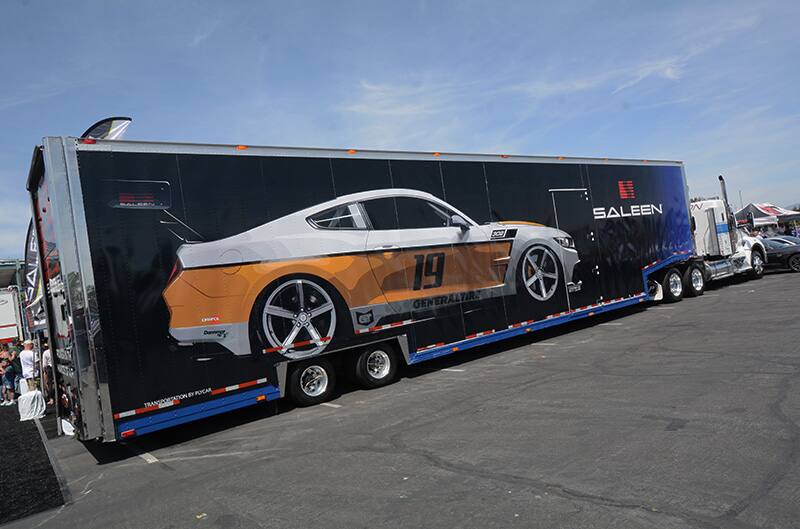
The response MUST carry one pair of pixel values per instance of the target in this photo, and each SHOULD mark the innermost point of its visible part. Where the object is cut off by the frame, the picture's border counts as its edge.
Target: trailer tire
(756, 264)
(672, 283)
(694, 280)
(312, 382)
(376, 365)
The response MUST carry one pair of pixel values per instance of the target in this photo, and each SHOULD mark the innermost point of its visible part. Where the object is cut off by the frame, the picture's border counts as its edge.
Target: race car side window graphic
(346, 217)
(382, 213)
(414, 213)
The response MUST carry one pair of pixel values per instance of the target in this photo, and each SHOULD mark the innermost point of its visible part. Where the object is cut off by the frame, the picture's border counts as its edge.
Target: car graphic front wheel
(299, 318)
(540, 272)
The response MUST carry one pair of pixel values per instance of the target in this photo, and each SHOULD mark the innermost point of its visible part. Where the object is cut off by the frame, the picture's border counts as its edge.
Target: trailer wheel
(694, 281)
(312, 382)
(376, 365)
(673, 285)
(756, 264)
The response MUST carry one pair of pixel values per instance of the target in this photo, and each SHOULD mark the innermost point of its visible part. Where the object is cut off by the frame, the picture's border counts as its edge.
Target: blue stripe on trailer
(722, 228)
(159, 421)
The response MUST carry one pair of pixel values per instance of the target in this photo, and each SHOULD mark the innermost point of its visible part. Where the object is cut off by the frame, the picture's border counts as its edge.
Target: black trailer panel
(126, 212)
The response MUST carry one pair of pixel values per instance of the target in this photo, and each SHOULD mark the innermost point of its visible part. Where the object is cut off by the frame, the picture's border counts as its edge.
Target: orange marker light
(261, 398)
(560, 157)
(351, 151)
(437, 154)
(241, 147)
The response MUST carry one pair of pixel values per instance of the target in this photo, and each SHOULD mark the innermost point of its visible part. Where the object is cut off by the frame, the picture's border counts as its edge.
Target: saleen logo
(635, 210)
(209, 319)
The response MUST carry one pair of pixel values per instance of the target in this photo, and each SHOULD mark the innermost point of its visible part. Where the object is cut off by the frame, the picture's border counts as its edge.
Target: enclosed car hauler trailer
(183, 281)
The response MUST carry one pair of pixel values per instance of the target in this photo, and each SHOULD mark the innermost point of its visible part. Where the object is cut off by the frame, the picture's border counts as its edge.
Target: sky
(714, 84)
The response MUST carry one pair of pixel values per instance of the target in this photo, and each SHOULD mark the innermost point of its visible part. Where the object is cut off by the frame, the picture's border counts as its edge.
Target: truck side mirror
(751, 220)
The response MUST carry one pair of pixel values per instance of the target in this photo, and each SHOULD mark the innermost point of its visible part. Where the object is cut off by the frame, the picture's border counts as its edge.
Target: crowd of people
(776, 231)
(20, 370)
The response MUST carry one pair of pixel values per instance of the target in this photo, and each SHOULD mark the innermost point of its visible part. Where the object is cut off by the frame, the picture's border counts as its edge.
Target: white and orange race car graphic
(358, 264)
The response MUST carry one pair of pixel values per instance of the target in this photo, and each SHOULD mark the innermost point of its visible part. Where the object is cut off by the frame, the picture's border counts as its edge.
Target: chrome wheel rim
(758, 263)
(675, 284)
(299, 318)
(540, 273)
(697, 279)
(378, 364)
(313, 381)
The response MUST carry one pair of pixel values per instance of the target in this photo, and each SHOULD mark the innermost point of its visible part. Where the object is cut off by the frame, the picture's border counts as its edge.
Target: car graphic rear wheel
(540, 272)
(794, 263)
(299, 318)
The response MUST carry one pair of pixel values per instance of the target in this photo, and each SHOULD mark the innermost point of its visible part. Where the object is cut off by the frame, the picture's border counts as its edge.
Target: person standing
(7, 378)
(16, 364)
(28, 359)
(48, 375)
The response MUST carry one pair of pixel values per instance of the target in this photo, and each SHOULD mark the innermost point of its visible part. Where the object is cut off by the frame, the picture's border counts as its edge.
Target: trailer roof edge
(319, 152)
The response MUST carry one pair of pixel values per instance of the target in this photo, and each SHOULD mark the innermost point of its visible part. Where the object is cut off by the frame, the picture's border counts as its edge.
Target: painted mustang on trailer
(361, 263)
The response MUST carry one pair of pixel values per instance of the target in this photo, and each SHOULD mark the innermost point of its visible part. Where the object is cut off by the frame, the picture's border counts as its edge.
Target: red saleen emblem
(626, 190)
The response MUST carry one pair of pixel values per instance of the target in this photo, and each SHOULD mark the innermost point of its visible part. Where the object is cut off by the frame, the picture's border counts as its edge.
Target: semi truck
(185, 280)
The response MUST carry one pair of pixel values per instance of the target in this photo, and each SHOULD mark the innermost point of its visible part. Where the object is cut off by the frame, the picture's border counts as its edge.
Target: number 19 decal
(429, 266)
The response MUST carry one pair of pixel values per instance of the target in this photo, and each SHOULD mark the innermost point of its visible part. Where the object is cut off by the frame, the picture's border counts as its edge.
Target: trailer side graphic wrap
(211, 269)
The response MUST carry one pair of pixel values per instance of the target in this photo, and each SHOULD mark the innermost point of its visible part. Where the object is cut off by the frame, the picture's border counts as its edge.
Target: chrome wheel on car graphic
(299, 318)
(540, 272)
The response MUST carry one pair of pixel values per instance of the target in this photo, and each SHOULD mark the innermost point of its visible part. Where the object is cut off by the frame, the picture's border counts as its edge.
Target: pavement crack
(555, 489)
(782, 467)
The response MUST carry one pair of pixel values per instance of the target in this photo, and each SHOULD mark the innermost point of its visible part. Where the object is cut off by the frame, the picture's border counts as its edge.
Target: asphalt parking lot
(681, 415)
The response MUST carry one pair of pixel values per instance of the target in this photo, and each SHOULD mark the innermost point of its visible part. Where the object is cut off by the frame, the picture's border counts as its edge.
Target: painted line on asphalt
(331, 405)
(610, 323)
(147, 456)
(662, 308)
(450, 369)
